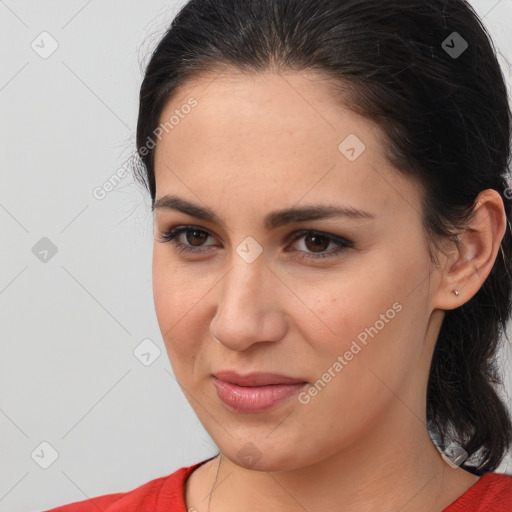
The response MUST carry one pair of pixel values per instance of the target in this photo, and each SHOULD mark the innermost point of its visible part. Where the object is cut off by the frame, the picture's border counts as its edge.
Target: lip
(256, 379)
(255, 392)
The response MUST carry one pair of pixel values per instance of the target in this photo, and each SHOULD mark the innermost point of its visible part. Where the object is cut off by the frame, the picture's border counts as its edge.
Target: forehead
(269, 101)
(237, 104)
(273, 131)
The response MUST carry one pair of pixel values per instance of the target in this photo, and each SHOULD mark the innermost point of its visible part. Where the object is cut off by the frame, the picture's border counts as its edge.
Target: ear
(469, 261)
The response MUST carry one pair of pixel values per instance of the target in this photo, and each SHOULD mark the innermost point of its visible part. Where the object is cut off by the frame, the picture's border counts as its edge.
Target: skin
(258, 143)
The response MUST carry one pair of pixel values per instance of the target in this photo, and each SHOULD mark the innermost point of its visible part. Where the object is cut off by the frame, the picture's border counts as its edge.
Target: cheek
(377, 324)
(362, 317)
(349, 303)
(178, 299)
(367, 349)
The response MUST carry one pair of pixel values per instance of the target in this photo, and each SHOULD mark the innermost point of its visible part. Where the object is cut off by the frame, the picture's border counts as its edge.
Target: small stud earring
(456, 292)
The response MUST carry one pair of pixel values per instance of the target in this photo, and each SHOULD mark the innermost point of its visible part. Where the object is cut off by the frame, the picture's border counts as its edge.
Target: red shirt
(491, 493)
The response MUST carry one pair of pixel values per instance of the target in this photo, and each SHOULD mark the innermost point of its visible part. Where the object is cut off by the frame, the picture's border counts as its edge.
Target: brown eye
(312, 245)
(316, 242)
(195, 237)
(187, 239)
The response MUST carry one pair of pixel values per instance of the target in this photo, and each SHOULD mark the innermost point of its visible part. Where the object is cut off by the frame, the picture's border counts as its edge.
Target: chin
(255, 457)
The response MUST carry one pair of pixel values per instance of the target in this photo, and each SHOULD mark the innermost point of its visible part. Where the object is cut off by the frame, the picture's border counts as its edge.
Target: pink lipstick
(254, 392)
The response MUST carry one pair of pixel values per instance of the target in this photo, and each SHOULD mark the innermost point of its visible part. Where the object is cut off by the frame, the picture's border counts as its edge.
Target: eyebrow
(273, 220)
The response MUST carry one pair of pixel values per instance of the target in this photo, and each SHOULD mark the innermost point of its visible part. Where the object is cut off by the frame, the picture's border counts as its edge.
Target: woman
(332, 254)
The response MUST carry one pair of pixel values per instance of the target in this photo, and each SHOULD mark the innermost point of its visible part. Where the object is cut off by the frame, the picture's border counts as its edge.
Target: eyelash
(171, 236)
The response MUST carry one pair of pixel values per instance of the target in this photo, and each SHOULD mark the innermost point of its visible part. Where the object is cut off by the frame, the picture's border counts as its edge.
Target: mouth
(254, 392)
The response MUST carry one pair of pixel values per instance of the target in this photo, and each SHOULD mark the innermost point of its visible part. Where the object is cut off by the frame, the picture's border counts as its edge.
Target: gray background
(70, 324)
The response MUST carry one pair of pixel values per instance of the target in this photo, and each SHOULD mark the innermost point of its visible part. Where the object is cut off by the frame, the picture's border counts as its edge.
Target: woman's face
(348, 315)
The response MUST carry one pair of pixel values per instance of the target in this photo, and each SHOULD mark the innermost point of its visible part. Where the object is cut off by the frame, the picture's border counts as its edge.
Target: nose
(249, 306)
